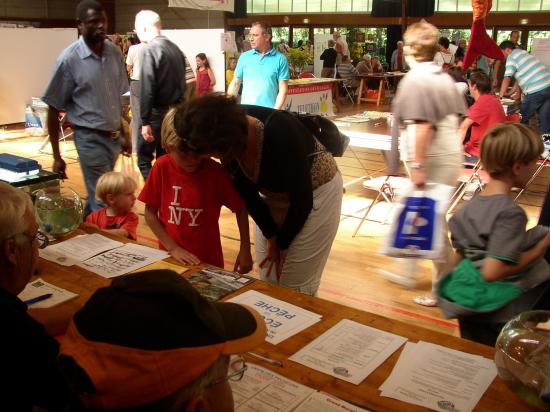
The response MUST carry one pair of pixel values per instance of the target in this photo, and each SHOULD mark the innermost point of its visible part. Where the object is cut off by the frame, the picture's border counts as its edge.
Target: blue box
(18, 164)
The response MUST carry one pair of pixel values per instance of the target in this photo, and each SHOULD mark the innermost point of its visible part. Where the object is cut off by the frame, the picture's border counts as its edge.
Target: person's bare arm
(496, 67)
(177, 252)
(212, 77)
(233, 87)
(463, 129)
(53, 130)
(129, 68)
(504, 87)
(495, 269)
(281, 95)
(244, 262)
(423, 140)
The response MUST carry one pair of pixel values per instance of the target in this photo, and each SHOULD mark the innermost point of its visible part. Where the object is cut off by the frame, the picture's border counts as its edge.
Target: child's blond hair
(505, 144)
(169, 139)
(421, 38)
(114, 183)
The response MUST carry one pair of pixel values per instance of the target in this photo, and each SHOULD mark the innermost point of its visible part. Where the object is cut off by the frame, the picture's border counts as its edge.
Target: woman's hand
(275, 258)
(244, 261)
(184, 256)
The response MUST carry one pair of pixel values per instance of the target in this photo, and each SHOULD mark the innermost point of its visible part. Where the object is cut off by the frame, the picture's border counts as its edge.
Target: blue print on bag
(415, 230)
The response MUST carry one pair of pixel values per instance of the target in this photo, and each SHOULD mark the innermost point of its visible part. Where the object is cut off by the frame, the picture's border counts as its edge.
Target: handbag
(326, 132)
(418, 220)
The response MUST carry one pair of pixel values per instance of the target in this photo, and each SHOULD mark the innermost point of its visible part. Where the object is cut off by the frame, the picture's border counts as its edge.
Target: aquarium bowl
(523, 357)
(58, 210)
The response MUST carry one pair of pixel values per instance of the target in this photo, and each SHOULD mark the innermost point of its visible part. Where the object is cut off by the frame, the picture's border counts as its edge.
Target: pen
(38, 299)
(268, 360)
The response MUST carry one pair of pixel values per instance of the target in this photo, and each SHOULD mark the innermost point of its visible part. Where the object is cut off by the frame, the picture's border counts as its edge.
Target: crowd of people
(199, 154)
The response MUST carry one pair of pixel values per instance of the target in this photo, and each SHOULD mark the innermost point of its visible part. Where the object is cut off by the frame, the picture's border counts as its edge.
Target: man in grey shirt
(88, 80)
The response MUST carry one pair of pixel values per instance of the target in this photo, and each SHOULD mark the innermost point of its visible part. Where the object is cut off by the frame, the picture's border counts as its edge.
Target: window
(536, 35)
(365, 6)
(300, 33)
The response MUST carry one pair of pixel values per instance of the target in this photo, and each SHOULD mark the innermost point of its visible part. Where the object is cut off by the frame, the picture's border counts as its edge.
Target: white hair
(14, 204)
(147, 18)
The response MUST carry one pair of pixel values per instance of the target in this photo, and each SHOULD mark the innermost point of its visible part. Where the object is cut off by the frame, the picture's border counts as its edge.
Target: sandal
(425, 300)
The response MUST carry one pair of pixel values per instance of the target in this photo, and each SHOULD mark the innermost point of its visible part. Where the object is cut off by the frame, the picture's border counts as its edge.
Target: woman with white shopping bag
(427, 110)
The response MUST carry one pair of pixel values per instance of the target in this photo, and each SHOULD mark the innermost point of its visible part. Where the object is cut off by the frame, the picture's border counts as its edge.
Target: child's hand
(244, 261)
(89, 227)
(185, 257)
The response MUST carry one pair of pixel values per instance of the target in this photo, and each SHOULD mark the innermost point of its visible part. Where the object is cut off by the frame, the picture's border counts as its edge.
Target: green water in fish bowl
(58, 210)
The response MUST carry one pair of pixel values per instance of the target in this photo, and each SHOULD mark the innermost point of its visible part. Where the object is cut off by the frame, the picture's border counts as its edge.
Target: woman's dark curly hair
(212, 124)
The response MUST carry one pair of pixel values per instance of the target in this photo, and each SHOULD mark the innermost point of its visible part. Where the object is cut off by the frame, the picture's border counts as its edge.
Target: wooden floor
(353, 273)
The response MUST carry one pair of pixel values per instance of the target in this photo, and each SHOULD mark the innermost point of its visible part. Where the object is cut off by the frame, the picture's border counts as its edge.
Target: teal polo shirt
(260, 75)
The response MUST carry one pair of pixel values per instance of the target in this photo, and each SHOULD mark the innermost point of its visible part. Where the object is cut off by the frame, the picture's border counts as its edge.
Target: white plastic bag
(418, 228)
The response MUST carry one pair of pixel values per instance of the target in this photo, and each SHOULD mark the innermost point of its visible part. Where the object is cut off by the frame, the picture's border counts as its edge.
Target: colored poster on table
(314, 98)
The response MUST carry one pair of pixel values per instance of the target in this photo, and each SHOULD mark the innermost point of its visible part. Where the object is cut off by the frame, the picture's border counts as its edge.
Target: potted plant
(297, 60)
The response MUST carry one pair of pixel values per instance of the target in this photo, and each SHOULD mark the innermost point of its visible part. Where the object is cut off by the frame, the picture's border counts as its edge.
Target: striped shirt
(531, 74)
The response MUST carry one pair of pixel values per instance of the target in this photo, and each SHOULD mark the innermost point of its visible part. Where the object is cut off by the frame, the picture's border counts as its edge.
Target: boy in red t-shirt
(484, 113)
(183, 196)
(117, 191)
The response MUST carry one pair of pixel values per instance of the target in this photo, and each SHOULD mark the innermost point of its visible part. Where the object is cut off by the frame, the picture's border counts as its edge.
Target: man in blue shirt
(263, 71)
(88, 80)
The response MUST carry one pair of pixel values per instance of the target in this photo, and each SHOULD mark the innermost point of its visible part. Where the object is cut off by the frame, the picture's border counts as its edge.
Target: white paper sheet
(349, 351)
(261, 390)
(439, 378)
(122, 260)
(78, 249)
(319, 401)
(40, 287)
(282, 319)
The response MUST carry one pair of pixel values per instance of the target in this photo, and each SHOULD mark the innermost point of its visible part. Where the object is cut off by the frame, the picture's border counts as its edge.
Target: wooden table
(497, 397)
(382, 80)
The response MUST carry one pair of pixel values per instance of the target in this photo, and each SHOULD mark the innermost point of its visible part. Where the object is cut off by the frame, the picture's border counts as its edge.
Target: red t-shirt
(128, 222)
(189, 204)
(485, 112)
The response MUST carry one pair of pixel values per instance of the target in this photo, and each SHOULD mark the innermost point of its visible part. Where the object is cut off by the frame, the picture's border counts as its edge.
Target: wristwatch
(416, 165)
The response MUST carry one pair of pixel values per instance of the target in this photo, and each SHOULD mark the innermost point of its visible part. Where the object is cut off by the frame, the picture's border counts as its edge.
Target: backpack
(323, 129)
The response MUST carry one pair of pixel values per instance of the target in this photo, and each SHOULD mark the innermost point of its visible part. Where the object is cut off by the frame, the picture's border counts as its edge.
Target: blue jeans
(97, 154)
(538, 102)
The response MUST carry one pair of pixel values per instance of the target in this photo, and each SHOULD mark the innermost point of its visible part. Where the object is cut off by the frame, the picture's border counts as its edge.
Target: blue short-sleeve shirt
(260, 75)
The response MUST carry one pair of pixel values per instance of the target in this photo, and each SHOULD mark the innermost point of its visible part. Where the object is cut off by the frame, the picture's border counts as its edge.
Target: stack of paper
(263, 390)
(78, 249)
(349, 351)
(122, 260)
(439, 378)
(282, 319)
(39, 288)
(101, 255)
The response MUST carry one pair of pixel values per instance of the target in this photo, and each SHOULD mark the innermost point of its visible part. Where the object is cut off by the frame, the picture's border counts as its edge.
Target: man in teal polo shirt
(263, 71)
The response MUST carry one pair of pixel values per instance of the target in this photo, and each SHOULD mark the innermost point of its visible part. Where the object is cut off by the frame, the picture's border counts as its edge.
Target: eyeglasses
(40, 237)
(235, 373)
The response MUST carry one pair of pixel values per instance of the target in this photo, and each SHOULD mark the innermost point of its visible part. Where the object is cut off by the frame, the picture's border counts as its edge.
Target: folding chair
(349, 91)
(541, 163)
(387, 187)
(63, 126)
(471, 174)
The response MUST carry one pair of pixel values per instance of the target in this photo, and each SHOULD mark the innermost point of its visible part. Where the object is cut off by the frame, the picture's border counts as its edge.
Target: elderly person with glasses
(28, 352)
